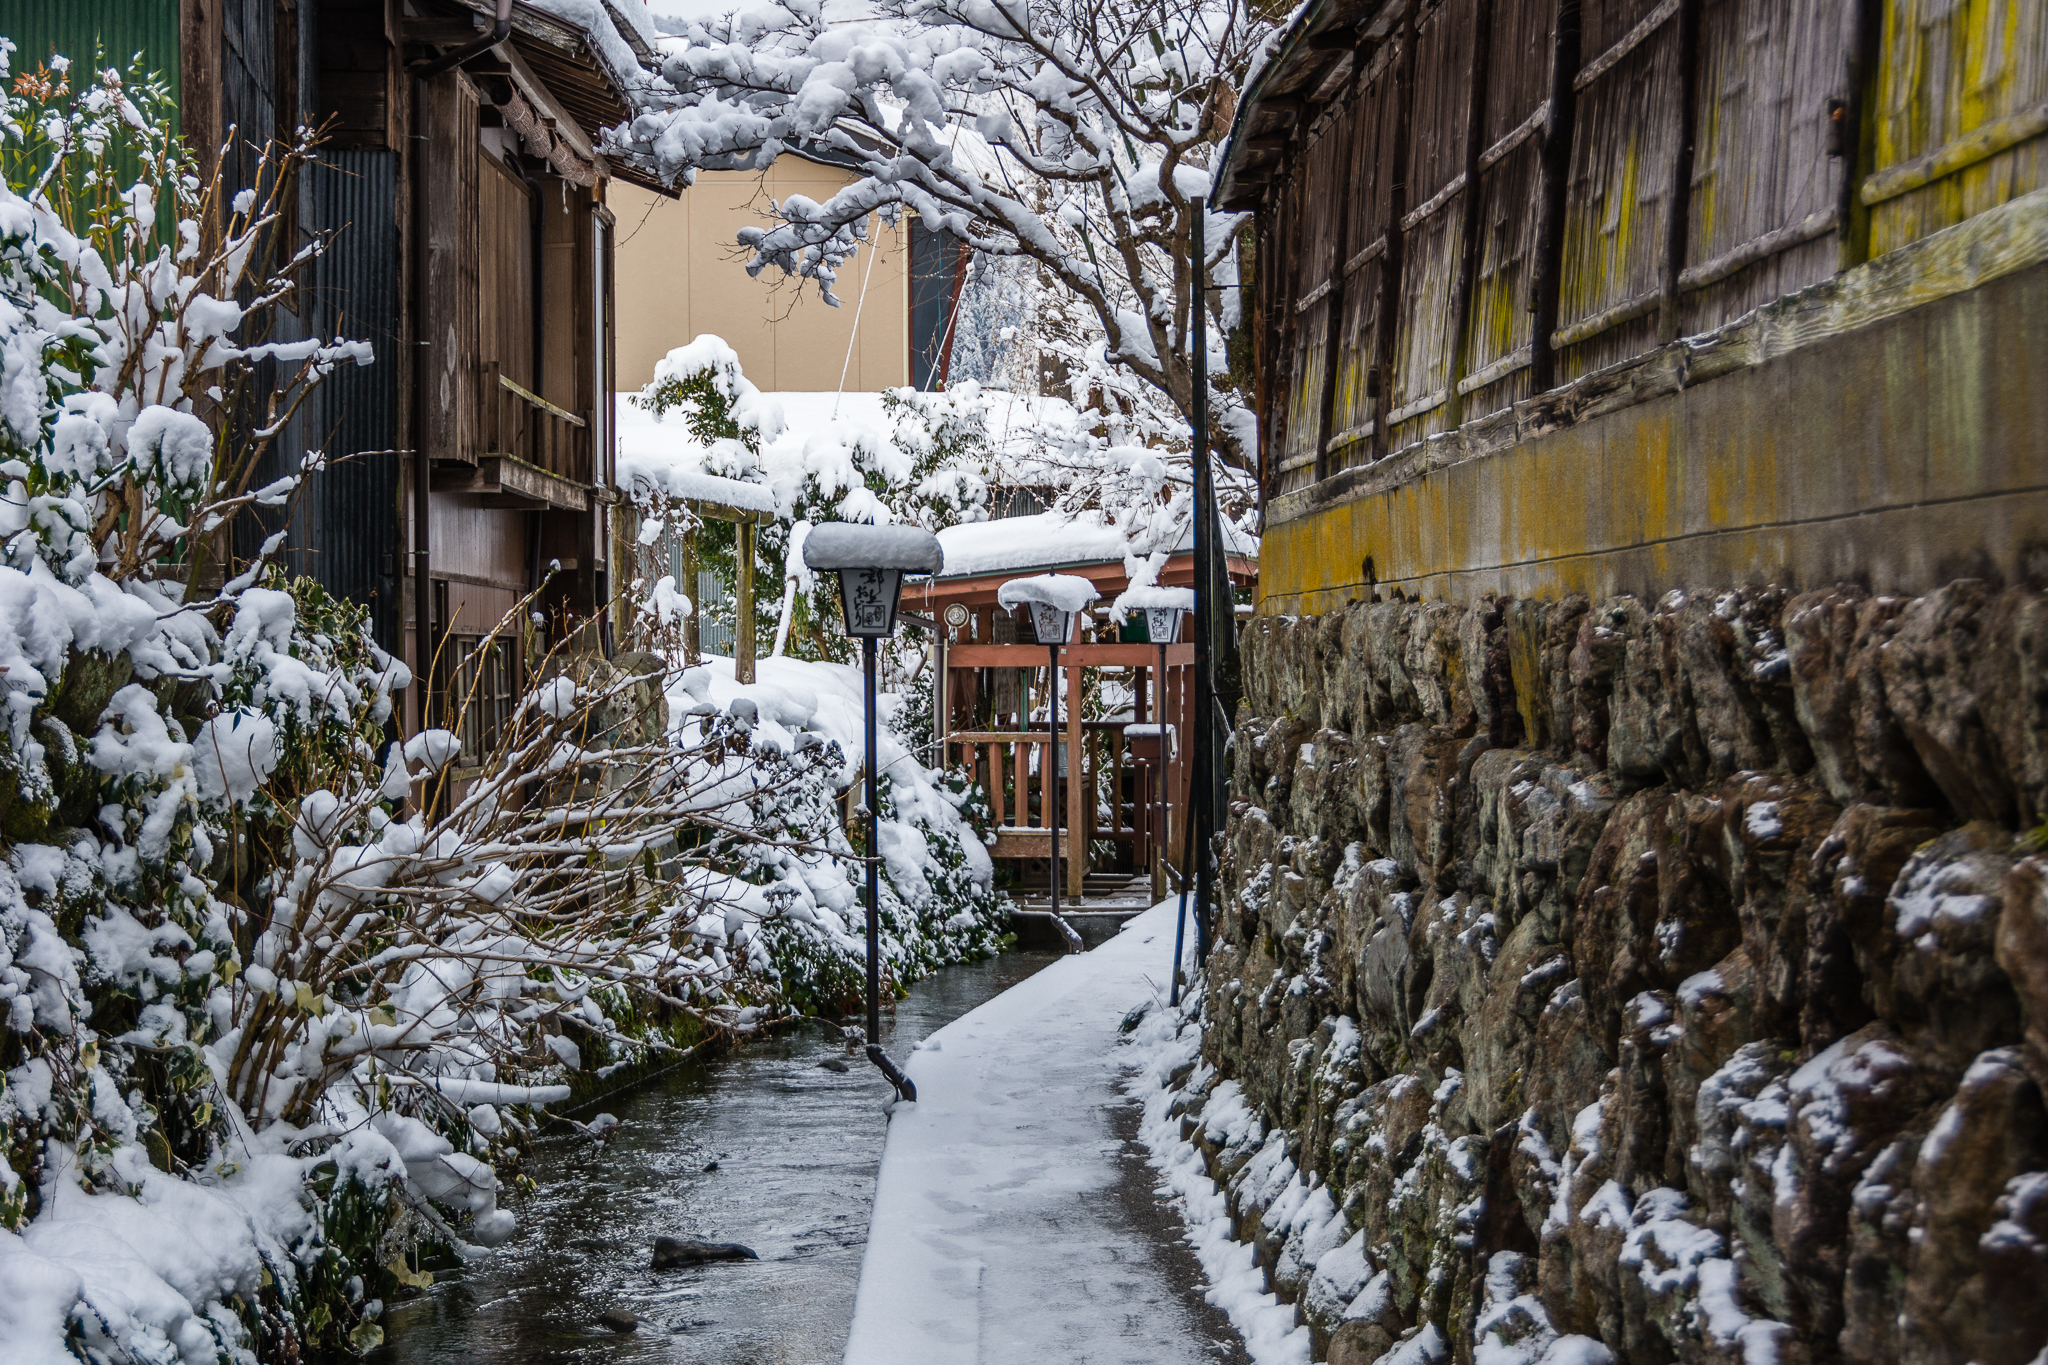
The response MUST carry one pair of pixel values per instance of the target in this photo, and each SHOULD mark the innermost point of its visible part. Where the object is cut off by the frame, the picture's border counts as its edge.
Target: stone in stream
(670, 1252)
(618, 1320)
(833, 1064)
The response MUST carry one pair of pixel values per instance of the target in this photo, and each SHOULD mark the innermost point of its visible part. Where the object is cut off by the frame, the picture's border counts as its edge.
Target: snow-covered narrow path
(997, 1234)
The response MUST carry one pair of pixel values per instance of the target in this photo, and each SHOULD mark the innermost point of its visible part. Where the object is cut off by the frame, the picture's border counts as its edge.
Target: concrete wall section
(681, 274)
(1898, 454)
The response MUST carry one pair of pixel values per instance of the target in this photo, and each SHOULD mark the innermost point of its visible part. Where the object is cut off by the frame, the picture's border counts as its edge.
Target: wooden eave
(578, 78)
(1315, 60)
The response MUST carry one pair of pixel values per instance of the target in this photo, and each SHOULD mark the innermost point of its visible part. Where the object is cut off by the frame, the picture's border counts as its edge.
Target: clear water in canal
(797, 1147)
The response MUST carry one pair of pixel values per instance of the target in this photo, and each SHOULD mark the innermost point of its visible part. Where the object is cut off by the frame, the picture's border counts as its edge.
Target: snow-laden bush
(938, 904)
(928, 467)
(279, 998)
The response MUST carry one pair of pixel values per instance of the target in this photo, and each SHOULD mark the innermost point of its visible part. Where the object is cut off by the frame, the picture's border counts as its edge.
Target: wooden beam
(1079, 801)
(515, 481)
(1082, 656)
(743, 633)
(692, 631)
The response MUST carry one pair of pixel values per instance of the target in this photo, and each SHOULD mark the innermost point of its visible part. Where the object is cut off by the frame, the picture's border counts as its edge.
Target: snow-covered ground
(996, 1234)
(1165, 1041)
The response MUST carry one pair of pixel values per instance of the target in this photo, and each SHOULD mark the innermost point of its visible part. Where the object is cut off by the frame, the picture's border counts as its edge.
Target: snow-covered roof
(1046, 540)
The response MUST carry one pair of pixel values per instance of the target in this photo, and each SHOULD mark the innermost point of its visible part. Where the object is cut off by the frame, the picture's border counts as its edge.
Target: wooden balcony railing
(1118, 793)
(519, 423)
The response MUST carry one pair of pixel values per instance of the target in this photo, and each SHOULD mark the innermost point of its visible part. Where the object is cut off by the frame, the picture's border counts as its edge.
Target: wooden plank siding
(449, 327)
(1514, 115)
(1951, 70)
(1769, 72)
(1355, 397)
(1446, 81)
(1624, 184)
(1521, 193)
(505, 273)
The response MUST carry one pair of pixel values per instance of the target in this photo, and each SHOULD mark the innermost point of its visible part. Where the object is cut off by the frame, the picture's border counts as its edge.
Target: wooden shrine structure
(989, 669)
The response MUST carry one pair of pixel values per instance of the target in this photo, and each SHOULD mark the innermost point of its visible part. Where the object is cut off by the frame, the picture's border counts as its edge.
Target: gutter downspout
(423, 466)
(500, 31)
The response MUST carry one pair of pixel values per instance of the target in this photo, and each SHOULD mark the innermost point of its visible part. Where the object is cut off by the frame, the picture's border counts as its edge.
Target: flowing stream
(796, 1147)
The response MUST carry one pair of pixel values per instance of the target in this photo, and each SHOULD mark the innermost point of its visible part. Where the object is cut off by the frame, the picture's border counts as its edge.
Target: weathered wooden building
(1484, 227)
(1655, 460)
(473, 247)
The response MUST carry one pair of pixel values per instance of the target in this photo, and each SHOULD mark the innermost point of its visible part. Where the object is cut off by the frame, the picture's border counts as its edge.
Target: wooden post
(942, 699)
(692, 636)
(1077, 808)
(743, 633)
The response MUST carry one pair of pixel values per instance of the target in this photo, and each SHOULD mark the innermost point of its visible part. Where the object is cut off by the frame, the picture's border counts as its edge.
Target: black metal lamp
(1165, 609)
(871, 562)
(1054, 599)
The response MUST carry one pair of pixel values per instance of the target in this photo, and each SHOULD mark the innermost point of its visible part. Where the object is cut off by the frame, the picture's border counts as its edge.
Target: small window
(486, 688)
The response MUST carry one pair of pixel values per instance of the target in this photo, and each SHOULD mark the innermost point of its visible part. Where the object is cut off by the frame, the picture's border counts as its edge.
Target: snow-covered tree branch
(1071, 132)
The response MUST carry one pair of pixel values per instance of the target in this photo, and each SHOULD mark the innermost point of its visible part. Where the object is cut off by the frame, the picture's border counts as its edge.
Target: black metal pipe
(904, 1085)
(448, 61)
(1052, 758)
(422, 458)
(1202, 802)
(873, 860)
(1187, 859)
(880, 1058)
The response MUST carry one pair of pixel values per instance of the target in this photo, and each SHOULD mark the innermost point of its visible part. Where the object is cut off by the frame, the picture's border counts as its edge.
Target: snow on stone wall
(1630, 981)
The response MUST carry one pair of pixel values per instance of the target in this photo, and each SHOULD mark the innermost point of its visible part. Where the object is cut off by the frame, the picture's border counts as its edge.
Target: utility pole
(1213, 618)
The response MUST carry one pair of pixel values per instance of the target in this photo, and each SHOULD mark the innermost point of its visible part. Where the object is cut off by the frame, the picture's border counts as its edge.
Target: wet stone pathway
(796, 1147)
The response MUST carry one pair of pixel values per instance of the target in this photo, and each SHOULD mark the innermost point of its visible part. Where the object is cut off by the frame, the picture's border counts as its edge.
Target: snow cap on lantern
(871, 562)
(1164, 609)
(1053, 598)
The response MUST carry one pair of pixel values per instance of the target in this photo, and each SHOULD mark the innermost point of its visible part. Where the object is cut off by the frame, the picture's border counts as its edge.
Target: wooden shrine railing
(1118, 792)
(519, 423)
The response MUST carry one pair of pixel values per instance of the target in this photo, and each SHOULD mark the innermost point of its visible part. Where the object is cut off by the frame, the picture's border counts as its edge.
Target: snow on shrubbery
(938, 902)
(281, 998)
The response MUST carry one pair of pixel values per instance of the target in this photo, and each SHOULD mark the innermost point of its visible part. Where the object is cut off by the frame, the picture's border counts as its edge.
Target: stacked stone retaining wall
(1646, 980)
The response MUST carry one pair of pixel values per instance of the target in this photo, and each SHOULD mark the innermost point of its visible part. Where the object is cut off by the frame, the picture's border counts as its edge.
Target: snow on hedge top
(1034, 542)
(1152, 596)
(851, 545)
(1064, 591)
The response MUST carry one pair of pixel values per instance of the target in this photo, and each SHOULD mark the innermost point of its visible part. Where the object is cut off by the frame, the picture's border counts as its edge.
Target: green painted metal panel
(120, 29)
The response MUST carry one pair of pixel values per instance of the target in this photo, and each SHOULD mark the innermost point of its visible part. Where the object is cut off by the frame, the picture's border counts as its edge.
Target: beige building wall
(681, 274)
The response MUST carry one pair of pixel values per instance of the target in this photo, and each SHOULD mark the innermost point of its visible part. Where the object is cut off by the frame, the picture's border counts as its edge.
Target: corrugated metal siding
(248, 95)
(248, 83)
(352, 522)
(122, 31)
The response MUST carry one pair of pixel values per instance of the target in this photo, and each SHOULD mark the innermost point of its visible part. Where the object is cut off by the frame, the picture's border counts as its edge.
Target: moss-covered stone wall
(1663, 980)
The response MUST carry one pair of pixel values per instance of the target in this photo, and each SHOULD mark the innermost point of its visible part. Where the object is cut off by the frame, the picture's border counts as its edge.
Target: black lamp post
(1163, 625)
(1054, 599)
(871, 562)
